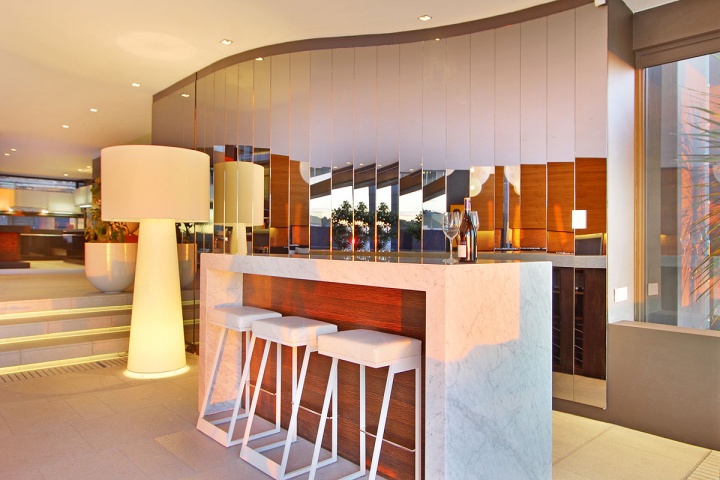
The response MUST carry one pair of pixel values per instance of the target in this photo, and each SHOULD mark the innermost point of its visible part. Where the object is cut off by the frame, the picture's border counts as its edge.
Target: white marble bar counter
(488, 371)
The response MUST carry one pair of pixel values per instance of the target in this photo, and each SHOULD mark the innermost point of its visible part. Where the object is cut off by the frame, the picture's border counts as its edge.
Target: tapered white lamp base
(157, 339)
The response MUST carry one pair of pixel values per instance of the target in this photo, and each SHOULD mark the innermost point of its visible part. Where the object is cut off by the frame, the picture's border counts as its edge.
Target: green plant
(414, 227)
(342, 220)
(184, 232)
(386, 226)
(98, 230)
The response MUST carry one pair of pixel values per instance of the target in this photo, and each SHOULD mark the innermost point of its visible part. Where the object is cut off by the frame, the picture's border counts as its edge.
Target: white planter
(187, 263)
(110, 267)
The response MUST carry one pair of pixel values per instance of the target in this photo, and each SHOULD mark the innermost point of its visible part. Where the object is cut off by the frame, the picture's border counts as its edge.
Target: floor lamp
(238, 199)
(156, 186)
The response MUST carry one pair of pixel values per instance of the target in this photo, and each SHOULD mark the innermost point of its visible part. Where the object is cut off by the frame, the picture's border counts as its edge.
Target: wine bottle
(467, 232)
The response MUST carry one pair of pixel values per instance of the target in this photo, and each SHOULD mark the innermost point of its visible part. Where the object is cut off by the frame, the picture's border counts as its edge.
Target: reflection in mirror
(410, 210)
(560, 204)
(482, 195)
(458, 187)
(387, 208)
(262, 235)
(364, 208)
(563, 288)
(507, 207)
(434, 204)
(320, 206)
(342, 208)
(299, 203)
(590, 237)
(532, 208)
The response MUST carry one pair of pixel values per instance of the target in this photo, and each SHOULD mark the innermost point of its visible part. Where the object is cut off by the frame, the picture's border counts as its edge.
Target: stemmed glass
(451, 228)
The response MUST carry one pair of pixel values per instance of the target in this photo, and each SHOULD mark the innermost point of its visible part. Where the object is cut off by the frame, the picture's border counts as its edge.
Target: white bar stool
(293, 332)
(238, 318)
(369, 348)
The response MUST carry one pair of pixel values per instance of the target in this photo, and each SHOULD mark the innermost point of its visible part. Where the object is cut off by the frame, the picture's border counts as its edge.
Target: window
(682, 200)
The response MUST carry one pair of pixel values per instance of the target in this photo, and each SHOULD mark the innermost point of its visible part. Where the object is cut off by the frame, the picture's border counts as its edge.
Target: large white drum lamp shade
(157, 186)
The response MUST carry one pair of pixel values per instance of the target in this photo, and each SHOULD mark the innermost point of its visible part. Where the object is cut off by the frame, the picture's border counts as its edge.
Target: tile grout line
(609, 426)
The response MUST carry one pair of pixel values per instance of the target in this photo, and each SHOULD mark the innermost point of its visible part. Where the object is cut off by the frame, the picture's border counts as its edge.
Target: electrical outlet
(621, 294)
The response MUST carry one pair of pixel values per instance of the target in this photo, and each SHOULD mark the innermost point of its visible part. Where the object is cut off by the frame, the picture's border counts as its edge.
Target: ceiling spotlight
(13, 149)
(259, 59)
(66, 126)
(94, 110)
(362, 164)
(79, 169)
(185, 95)
(226, 41)
(88, 166)
(437, 39)
(424, 18)
(135, 84)
(65, 174)
(7, 154)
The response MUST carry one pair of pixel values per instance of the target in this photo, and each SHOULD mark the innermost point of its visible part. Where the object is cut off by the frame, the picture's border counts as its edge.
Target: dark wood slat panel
(348, 306)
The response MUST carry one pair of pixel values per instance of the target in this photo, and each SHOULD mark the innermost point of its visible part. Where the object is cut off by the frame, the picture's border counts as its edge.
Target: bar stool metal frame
(292, 332)
(395, 365)
(238, 318)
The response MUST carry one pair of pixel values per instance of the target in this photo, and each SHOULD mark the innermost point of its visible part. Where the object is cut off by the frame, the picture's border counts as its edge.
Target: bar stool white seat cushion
(239, 317)
(292, 331)
(368, 347)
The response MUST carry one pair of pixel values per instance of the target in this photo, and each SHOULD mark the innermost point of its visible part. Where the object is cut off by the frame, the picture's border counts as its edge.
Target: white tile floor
(98, 424)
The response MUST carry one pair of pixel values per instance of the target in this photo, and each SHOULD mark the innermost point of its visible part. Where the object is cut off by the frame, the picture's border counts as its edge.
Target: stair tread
(68, 340)
(50, 317)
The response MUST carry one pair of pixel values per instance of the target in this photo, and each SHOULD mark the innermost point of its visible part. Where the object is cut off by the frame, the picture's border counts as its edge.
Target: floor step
(54, 349)
(21, 328)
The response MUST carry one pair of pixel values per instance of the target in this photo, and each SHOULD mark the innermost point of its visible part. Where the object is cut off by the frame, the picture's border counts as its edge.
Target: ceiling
(60, 59)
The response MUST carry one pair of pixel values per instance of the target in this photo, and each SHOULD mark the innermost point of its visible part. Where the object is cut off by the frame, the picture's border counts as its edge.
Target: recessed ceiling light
(424, 18)
(79, 169)
(412, 169)
(7, 154)
(185, 95)
(334, 167)
(226, 41)
(135, 84)
(348, 163)
(13, 150)
(259, 59)
(379, 165)
(94, 110)
(362, 164)
(66, 126)
(65, 174)
(437, 39)
(88, 166)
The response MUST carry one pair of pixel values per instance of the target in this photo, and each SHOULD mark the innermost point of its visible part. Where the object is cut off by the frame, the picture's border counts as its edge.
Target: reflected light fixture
(259, 59)
(424, 18)
(13, 149)
(579, 219)
(238, 199)
(135, 84)
(156, 186)
(226, 41)
(185, 95)
(93, 110)
(66, 126)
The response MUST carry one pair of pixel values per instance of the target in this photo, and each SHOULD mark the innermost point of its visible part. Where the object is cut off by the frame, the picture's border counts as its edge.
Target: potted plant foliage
(187, 253)
(110, 249)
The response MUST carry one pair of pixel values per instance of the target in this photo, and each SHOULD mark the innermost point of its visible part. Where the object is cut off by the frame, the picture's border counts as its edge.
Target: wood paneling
(348, 306)
(532, 205)
(299, 207)
(560, 196)
(279, 190)
(591, 193)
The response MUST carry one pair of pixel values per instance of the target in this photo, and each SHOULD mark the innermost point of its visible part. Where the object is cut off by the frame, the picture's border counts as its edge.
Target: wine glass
(451, 228)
